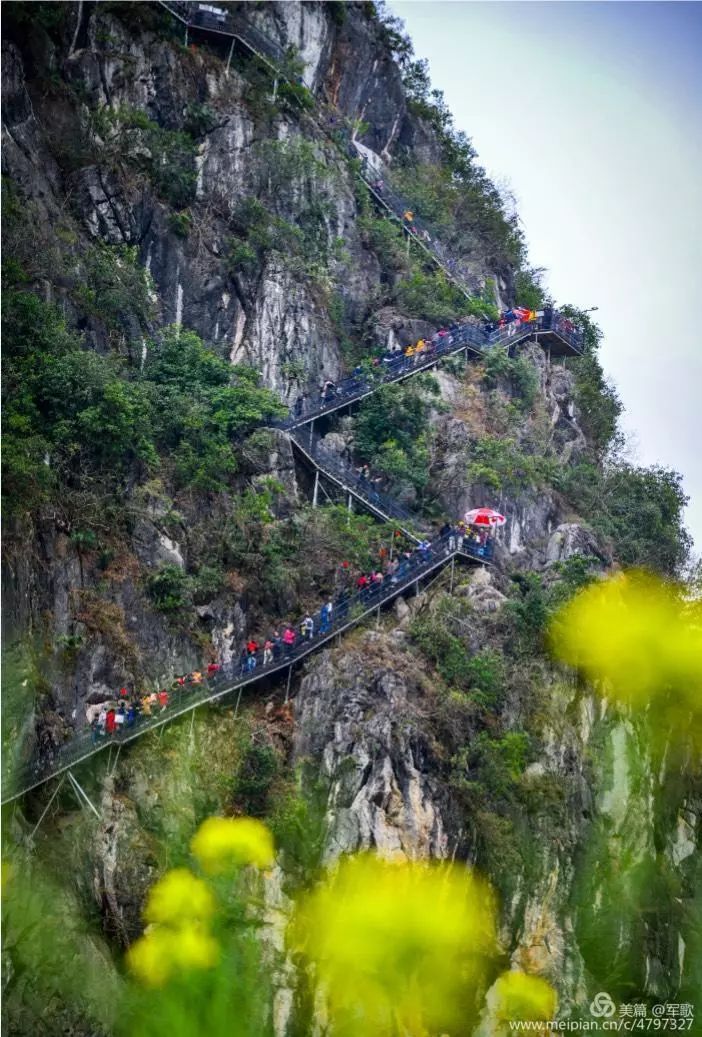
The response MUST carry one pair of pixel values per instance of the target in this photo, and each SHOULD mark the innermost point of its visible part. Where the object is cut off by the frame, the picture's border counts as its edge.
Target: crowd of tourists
(119, 714)
(396, 360)
(357, 592)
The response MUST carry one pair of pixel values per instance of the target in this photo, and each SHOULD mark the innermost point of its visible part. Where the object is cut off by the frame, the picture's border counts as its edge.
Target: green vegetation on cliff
(76, 420)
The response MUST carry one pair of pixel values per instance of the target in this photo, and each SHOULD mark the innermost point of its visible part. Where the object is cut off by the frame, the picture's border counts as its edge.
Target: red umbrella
(484, 517)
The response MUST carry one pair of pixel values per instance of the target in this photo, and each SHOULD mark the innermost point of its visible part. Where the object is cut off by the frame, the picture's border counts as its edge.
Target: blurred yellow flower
(517, 996)
(195, 949)
(398, 946)
(161, 952)
(178, 898)
(636, 632)
(221, 842)
(8, 874)
(150, 958)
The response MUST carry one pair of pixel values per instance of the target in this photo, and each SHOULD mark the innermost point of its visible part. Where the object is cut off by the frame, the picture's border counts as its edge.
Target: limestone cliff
(153, 184)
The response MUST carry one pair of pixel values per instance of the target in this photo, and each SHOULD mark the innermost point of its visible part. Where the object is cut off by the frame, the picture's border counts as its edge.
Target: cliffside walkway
(203, 18)
(348, 612)
(208, 18)
(467, 338)
(329, 466)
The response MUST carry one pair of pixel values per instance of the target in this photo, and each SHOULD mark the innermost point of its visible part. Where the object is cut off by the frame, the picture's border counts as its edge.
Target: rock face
(570, 539)
(85, 176)
(357, 719)
(536, 532)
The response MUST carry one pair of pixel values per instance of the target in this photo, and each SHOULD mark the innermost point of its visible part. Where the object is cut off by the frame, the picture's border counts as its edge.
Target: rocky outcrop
(570, 538)
(359, 718)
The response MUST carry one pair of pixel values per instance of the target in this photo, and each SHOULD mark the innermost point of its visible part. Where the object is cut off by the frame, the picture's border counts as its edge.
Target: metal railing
(348, 609)
(346, 476)
(336, 127)
(365, 379)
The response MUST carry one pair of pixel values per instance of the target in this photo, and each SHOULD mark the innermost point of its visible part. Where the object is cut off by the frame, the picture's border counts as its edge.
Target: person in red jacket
(110, 722)
(289, 638)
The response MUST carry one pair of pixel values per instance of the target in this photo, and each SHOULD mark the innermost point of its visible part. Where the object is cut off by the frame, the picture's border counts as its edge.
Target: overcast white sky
(592, 112)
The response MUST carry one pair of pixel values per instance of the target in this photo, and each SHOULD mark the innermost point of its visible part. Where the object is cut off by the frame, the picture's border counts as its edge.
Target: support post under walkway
(229, 58)
(81, 794)
(45, 811)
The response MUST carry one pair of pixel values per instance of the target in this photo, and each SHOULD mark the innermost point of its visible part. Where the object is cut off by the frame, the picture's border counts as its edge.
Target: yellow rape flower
(195, 949)
(161, 952)
(636, 632)
(398, 946)
(150, 957)
(221, 842)
(178, 898)
(517, 996)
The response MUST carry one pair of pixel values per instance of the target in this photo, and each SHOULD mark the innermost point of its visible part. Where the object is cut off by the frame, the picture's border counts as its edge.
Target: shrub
(200, 119)
(527, 611)
(181, 223)
(480, 675)
(639, 510)
(432, 297)
(384, 237)
(296, 96)
(305, 249)
(254, 780)
(75, 418)
(114, 287)
(598, 403)
(500, 463)
(490, 768)
(392, 430)
(240, 257)
(528, 289)
(642, 511)
(166, 156)
(337, 11)
(168, 588)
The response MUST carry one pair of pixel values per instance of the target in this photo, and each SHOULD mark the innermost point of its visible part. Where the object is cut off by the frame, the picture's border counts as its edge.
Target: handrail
(330, 465)
(365, 380)
(185, 11)
(348, 610)
(426, 558)
(457, 338)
